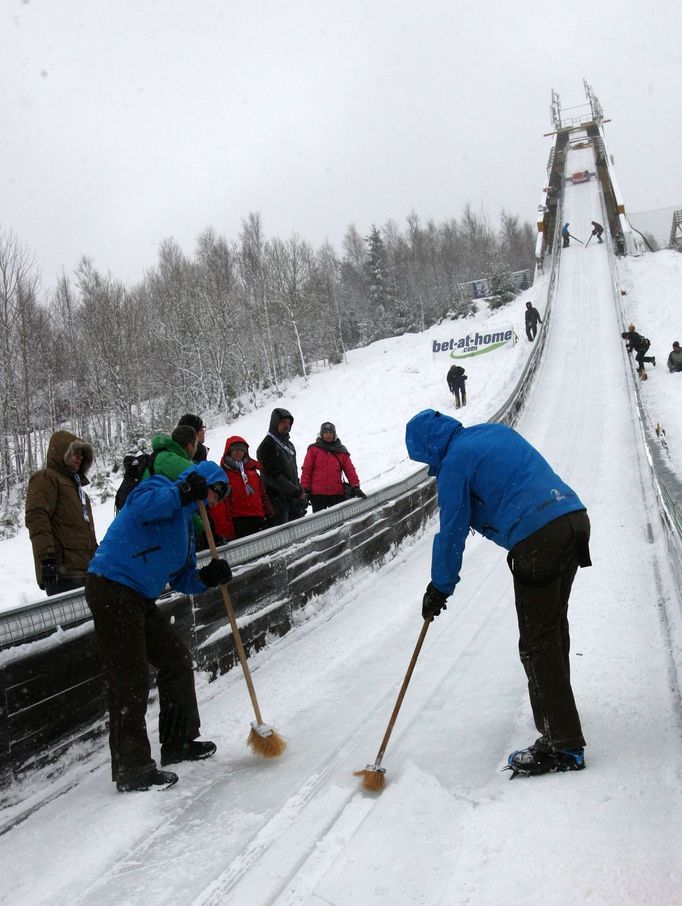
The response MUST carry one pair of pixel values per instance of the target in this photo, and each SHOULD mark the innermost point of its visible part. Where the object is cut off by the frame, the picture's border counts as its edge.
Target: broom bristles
(373, 779)
(270, 746)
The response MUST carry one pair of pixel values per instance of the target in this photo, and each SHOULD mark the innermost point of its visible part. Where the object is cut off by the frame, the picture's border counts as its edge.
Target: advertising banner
(472, 344)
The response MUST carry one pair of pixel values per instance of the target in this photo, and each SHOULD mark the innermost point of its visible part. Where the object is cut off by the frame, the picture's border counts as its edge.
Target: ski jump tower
(577, 127)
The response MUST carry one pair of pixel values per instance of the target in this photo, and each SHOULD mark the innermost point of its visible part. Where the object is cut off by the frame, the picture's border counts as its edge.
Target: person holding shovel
(150, 544)
(492, 481)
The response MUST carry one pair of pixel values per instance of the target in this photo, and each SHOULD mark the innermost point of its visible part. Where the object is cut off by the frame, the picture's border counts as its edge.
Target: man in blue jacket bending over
(493, 481)
(151, 544)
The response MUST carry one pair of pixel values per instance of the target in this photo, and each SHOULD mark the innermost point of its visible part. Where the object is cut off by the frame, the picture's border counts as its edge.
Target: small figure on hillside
(59, 517)
(532, 319)
(277, 454)
(639, 345)
(675, 358)
(248, 509)
(597, 230)
(565, 235)
(493, 481)
(326, 462)
(150, 544)
(196, 422)
(456, 382)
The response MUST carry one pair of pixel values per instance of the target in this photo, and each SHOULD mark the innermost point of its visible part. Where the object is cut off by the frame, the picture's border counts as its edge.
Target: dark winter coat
(675, 360)
(324, 466)
(532, 317)
(489, 479)
(278, 457)
(150, 543)
(636, 342)
(456, 378)
(56, 509)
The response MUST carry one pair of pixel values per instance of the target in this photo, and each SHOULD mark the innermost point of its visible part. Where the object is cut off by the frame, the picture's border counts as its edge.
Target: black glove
(215, 573)
(49, 572)
(358, 492)
(433, 602)
(194, 487)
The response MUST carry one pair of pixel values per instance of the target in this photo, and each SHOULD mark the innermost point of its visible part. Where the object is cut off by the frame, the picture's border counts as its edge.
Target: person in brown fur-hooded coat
(59, 516)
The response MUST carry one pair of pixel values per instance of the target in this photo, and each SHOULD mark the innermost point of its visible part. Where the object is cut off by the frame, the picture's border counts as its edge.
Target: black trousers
(324, 501)
(544, 566)
(531, 331)
(132, 634)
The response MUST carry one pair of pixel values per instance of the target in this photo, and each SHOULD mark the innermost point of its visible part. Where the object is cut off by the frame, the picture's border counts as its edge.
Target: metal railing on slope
(39, 619)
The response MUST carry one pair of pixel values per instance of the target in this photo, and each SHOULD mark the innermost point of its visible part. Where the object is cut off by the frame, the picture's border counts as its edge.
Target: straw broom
(263, 740)
(374, 776)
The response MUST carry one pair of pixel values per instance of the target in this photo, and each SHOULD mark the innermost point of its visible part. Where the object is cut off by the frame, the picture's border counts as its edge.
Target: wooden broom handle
(403, 690)
(230, 613)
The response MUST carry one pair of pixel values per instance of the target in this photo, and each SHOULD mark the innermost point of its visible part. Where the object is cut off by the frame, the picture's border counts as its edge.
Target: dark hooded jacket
(277, 455)
(489, 479)
(58, 512)
(150, 543)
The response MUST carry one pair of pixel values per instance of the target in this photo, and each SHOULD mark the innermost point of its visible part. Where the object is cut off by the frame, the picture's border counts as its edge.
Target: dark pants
(641, 358)
(248, 525)
(132, 634)
(324, 501)
(544, 566)
(56, 588)
(531, 330)
(286, 509)
(567, 240)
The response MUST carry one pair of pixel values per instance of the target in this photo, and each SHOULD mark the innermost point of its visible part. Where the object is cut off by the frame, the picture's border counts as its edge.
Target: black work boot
(147, 780)
(193, 750)
(539, 759)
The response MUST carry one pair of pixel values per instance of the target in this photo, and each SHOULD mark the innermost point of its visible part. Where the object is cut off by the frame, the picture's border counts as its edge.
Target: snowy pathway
(449, 828)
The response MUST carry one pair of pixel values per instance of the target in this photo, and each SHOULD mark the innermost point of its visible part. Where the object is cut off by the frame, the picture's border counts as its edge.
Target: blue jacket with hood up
(489, 479)
(151, 542)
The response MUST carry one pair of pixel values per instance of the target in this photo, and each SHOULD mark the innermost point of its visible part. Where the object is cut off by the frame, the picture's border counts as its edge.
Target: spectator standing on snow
(151, 543)
(639, 345)
(196, 422)
(326, 462)
(532, 318)
(544, 526)
(248, 509)
(457, 384)
(59, 516)
(597, 230)
(565, 235)
(675, 358)
(277, 454)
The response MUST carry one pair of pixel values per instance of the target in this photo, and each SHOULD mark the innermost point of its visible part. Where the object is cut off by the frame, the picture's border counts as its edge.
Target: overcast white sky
(128, 121)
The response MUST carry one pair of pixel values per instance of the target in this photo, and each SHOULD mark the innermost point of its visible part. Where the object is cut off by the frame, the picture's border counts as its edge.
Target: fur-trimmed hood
(62, 446)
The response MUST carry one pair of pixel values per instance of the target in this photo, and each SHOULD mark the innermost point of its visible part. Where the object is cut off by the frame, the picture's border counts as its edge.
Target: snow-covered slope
(448, 829)
(369, 399)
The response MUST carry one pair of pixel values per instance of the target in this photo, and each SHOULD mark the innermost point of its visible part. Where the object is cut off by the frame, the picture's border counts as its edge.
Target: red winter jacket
(248, 498)
(323, 468)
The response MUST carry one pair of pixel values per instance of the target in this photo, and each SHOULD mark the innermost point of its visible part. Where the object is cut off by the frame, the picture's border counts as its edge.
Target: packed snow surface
(449, 828)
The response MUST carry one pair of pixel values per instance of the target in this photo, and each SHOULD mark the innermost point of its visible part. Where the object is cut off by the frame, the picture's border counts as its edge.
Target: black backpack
(134, 467)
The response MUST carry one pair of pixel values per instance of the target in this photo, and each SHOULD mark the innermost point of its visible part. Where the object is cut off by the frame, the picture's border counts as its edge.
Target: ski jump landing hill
(51, 690)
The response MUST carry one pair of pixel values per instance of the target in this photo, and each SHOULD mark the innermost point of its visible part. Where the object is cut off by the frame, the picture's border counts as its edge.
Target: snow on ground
(448, 829)
(369, 399)
(653, 302)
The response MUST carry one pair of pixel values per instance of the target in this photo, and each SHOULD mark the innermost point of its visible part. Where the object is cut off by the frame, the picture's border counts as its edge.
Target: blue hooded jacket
(489, 479)
(151, 542)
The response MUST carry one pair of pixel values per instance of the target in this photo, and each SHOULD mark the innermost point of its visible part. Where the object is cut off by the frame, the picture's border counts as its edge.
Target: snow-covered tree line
(211, 331)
